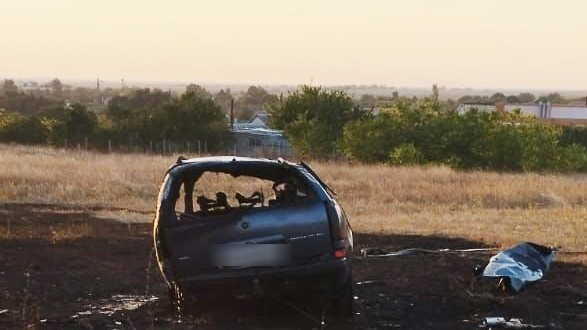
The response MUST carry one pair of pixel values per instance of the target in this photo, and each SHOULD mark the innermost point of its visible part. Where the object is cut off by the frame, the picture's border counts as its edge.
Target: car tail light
(340, 254)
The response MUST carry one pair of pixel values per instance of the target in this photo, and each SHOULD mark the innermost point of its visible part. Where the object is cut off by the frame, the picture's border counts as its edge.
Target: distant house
(255, 139)
(259, 120)
(544, 111)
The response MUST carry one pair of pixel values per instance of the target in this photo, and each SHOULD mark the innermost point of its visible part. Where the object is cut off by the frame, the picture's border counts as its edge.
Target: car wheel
(342, 305)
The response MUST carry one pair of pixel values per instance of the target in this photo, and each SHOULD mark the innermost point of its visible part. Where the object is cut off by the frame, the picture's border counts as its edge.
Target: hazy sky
(457, 43)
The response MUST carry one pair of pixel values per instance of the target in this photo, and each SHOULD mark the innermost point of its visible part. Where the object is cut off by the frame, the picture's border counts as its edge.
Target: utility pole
(231, 114)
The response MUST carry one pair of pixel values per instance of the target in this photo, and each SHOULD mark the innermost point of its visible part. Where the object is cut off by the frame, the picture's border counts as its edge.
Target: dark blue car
(275, 228)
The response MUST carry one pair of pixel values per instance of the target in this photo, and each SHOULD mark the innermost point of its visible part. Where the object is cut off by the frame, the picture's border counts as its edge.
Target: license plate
(250, 255)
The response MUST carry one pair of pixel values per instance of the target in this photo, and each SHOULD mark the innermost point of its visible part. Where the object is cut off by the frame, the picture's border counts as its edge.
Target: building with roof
(255, 139)
(566, 114)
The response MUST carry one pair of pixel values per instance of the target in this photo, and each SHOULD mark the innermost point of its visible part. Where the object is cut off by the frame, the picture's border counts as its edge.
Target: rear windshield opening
(217, 193)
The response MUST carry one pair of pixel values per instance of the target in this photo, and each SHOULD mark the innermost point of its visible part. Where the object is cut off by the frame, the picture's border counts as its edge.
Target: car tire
(342, 305)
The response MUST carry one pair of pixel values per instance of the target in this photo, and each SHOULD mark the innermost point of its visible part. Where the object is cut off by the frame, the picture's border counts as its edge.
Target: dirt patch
(101, 275)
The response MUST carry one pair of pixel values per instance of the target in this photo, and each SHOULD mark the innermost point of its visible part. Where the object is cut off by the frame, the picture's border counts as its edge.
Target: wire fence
(186, 147)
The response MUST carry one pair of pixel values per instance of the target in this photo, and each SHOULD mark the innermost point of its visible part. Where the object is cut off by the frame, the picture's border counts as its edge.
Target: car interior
(237, 194)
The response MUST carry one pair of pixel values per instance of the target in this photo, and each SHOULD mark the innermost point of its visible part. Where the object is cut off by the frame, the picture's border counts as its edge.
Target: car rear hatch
(286, 235)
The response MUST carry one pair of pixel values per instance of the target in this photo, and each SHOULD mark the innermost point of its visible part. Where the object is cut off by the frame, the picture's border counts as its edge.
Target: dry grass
(499, 209)
(44, 175)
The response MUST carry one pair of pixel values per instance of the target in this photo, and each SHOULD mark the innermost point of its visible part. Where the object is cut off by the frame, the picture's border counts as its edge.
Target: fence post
(206, 147)
(151, 146)
(109, 146)
(189, 148)
(65, 143)
(199, 148)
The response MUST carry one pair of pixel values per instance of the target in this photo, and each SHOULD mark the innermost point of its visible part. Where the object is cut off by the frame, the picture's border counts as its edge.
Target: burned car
(244, 225)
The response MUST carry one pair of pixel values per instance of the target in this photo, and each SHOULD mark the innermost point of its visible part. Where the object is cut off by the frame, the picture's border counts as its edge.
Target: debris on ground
(516, 267)
(513, 323)
(370, 282)
(375, 252)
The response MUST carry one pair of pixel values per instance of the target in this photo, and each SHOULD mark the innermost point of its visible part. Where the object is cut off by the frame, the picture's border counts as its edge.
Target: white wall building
(543, 110)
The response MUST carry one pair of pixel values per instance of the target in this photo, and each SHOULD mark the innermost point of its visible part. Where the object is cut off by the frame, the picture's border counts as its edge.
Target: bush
(72, 123)
(313, 119)
(406, 154)
(15, 127)
(572, 158)
(474, 140)
(370, 139)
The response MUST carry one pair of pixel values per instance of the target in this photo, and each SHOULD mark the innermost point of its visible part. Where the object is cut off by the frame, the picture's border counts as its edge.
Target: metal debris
(513, 323)
(116, 304)
(375, 252)
(369, 282)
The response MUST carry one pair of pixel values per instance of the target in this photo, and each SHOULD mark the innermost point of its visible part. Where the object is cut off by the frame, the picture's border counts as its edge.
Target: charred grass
(106, 279)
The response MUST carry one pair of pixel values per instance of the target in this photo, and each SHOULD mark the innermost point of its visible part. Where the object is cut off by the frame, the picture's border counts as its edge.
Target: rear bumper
(319, 277)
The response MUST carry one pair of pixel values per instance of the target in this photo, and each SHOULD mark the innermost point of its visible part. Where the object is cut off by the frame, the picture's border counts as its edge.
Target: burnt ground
(109, 281)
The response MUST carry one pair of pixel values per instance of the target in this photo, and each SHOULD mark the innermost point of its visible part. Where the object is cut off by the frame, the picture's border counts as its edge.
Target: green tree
(15, 127)
(26, 104)
(497, 97)
(526, 97)
(435, 92)
(572, 158)
(370, 139)
(474, 140)
(313, 119)
(512, 99)
(406, 154)
(554, 98)
(191, 117)
(254, 99)
(71, 122)
(222, 99)
(198, 90)
(9, 87)
(131, 115)
(56, 87)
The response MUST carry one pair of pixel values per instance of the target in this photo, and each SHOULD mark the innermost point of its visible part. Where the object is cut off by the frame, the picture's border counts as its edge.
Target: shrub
(474, 140)
(15, 127)
(572, 158)
(406, 154)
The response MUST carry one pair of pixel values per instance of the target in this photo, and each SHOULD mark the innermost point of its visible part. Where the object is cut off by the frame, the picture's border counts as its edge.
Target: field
(75, 250)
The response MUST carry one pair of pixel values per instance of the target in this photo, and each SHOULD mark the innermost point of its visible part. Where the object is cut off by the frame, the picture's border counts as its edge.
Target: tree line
(324, 123)
(425, 133)
(320, 123)
(136, 118)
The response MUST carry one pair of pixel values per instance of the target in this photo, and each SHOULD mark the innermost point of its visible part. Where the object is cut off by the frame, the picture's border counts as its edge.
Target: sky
(452, 43)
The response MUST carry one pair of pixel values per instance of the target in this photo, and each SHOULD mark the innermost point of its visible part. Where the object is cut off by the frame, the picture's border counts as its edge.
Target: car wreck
(274, 227)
